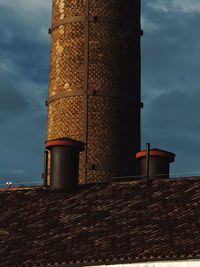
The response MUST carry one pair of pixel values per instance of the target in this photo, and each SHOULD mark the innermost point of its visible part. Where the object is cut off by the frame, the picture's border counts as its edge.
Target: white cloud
(187, 5)
(184, 6)
(159, 5)
(32, 16)
(149, 25)
(7, 67)
(30, 5)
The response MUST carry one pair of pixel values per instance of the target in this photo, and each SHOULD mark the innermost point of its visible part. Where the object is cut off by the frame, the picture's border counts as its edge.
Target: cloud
(170, 81)
(24, 67)
(32, 6)
(170, 54)
(31, 19)
(172, 123)
(183, 6)
(149, 25)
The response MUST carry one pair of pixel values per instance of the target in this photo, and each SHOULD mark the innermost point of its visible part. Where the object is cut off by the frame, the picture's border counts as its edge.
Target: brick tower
(94, 85)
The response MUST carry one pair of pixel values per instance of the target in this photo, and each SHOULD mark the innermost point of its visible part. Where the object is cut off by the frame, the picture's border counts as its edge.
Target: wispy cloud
(170, 79)
(24, 67)
(29, 6)
(149, 25)
(184, 6)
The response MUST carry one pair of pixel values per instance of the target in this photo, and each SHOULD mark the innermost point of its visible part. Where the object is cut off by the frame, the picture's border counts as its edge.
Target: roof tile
(129, 221)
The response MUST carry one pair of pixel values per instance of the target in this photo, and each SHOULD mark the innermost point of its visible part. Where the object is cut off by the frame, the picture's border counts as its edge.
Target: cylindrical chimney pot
(64, 164)
(159, 162)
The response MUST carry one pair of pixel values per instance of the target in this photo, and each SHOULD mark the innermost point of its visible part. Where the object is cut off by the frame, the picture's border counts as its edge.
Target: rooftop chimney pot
(64, 163)
(159, 162)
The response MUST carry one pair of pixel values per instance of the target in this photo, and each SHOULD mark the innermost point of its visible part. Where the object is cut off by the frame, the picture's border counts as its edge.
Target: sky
(170, 84)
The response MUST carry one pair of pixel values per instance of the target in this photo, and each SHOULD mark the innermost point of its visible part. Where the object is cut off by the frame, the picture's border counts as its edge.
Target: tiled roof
(129, 221)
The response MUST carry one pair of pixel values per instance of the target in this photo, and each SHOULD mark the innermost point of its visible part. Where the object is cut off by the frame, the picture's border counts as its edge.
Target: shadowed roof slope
(129, 221)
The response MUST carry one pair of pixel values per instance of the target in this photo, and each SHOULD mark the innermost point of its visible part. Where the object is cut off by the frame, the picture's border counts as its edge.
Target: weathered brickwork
(104, 48)
(67, 8)
(67, 58)
(110, 8)
(65, 118)
(94, 85)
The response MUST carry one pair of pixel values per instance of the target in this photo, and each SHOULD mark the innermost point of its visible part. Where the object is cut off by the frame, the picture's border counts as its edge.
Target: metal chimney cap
(64, 142)
(155, 152)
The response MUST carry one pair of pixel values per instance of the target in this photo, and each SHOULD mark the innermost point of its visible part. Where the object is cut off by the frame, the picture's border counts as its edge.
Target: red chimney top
(155, 152)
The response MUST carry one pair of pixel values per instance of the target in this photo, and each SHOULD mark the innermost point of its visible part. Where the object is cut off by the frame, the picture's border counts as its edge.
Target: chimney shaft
(94, 86)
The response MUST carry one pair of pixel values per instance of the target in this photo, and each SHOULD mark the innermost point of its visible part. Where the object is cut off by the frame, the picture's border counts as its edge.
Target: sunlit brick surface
(65, 8)
(67, 58)
(65, 118)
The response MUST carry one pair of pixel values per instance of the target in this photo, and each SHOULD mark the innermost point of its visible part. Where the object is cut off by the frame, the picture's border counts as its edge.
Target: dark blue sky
(170, 83)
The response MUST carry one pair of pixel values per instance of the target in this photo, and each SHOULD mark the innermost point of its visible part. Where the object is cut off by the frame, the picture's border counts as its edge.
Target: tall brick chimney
(94, 85)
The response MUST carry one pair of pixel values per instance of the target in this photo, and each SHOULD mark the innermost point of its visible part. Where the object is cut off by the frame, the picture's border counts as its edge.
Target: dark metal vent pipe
(159, 162)
(64, 164)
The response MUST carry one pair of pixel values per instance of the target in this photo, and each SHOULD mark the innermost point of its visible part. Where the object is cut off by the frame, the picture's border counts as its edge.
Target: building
(119, 222)
(83, 216)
